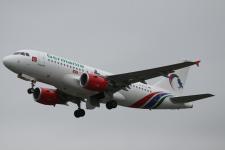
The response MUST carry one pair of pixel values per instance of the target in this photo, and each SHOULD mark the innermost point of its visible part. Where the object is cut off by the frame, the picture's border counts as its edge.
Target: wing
(121, 81)
(68, 98)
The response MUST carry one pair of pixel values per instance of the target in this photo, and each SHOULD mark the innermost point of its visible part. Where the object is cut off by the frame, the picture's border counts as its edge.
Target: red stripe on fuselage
(142, 101)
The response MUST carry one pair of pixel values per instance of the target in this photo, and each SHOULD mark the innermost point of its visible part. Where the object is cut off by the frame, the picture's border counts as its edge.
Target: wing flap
(190, 98)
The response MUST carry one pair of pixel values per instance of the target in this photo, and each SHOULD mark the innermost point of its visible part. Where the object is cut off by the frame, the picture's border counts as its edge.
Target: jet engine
(93, 82)
(46, 96)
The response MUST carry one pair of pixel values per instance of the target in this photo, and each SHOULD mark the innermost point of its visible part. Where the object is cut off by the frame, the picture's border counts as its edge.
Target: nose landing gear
(31, 90)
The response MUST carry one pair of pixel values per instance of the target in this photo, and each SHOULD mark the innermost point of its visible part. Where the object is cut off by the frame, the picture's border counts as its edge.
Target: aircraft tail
(174, 82)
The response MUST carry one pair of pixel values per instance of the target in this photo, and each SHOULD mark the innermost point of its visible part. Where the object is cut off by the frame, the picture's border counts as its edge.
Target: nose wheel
(31, 90)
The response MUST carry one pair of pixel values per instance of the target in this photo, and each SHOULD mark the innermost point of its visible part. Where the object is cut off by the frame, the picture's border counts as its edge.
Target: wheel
(114, 104)
(30, 91)
(76, 114)
(111, 104)
(82, 112)
(79, 113)
(108, 106)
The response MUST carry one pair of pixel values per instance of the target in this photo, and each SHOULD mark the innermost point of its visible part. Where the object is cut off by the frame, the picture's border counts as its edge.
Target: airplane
(78, 83)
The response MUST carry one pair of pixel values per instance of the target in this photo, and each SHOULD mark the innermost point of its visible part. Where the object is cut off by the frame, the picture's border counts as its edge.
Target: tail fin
(174, 82)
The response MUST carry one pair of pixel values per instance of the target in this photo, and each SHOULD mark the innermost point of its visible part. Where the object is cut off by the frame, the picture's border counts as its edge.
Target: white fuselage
(65, 74)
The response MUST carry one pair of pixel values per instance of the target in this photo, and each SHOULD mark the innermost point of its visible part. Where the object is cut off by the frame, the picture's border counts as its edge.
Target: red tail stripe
(142, 101)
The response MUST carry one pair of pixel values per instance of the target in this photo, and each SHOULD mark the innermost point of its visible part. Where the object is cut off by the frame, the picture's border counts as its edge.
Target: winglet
(197, 62)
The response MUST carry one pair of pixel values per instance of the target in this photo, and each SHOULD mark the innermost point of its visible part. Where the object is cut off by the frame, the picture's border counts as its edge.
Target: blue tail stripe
(154, 100)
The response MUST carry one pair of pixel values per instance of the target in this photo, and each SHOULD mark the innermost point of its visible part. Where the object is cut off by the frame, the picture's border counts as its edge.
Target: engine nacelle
(93, 82)
(46, 96)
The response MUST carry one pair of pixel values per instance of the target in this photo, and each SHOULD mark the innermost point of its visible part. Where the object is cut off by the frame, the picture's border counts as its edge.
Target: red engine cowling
(46, 96)
(93, 82)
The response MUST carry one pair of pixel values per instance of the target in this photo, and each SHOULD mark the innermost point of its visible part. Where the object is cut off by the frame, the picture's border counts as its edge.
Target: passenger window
(27, 54)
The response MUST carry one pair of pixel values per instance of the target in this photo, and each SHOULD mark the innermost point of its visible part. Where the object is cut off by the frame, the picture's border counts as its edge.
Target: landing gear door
(41, 60)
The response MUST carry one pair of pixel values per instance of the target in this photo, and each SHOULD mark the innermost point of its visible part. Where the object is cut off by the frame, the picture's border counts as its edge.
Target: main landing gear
(79, 112)
(31, 90)
(111, 104)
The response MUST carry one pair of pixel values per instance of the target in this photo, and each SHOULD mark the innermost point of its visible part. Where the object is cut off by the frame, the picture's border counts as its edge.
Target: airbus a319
(75, 82)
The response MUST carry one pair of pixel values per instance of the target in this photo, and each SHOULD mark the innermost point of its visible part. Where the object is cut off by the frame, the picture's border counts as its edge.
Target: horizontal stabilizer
(190, 98)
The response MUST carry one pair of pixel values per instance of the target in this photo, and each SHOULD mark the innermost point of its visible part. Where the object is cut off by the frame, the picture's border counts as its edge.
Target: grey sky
(118, 36)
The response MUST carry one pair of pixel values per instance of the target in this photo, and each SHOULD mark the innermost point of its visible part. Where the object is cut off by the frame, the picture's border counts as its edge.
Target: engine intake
(93, 82)
(46, 96)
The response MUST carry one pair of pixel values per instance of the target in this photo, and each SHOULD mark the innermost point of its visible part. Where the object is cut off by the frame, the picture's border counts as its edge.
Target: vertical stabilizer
(174, 82)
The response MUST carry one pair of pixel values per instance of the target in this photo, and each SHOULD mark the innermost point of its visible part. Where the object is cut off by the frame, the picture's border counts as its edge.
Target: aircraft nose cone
(8, 61)
(12, 63)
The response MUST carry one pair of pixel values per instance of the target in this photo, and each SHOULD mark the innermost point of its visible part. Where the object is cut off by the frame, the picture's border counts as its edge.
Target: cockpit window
(16, 53)
(22, 53)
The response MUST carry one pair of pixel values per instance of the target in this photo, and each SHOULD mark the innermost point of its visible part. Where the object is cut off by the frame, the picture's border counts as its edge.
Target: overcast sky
(117, 36)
